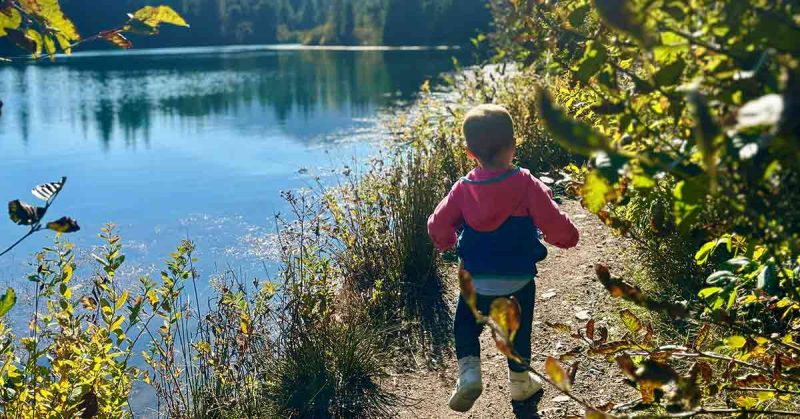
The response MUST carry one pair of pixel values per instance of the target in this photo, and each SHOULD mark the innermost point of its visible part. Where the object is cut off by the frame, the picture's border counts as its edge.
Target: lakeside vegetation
(676, 125)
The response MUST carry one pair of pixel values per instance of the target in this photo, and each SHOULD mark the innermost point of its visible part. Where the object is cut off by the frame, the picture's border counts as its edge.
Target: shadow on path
(528, 409)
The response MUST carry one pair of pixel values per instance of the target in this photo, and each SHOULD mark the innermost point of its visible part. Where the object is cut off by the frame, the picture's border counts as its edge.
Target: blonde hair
(488, 130)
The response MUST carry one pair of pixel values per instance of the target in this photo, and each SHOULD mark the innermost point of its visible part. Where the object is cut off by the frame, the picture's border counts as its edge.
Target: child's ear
(471, 155)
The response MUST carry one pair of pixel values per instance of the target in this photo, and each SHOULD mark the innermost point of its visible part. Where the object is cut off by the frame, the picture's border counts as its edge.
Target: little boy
(500, 210)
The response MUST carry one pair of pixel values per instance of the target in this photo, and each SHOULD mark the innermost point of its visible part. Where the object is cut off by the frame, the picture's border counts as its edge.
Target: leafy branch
(22, 213)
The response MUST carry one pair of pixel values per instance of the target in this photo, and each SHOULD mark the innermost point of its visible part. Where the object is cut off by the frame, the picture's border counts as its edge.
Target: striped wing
(46, 191)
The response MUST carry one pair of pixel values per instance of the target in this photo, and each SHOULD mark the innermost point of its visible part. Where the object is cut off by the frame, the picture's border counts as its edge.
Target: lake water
(193, 143)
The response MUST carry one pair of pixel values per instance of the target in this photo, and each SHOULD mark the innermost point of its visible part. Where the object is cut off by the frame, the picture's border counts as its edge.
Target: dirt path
(566, 292)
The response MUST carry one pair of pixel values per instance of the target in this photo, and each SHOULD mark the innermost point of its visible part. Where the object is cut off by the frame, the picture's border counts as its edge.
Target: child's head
(489, 131)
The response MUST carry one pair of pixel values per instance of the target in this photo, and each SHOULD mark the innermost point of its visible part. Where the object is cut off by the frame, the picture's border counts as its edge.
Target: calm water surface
(193, 143)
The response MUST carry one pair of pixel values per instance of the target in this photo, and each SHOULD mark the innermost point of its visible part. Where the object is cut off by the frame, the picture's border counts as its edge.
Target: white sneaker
(469, 386)
(523, 385)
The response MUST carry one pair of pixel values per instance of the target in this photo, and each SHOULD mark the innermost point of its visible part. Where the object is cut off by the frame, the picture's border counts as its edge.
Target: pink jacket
(484, 199)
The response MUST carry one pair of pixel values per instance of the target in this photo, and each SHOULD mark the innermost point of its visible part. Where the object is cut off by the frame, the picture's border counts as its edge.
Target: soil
(566, 292)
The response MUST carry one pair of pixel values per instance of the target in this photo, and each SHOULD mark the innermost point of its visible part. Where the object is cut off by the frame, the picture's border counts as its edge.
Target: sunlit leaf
(557, 374)
(735, 342)
(153, 16)
(468, 289)
(64, 225)
(46, 191)
(9, 19)
(701, 336)
(631, 321)
(506, 314)
(24, 214)
(561, 327)
(50, 11)
(116, 38)
(595, 192)
(7, 301)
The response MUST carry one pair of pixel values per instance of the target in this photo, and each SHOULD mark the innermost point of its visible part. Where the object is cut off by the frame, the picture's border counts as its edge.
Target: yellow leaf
(468, 289)
(631, 321)
(557, 374)
(121, 300)
(50, 12)
(506, 312)
(735, 342)
(9, 19)
(154, 16)
(117, 324)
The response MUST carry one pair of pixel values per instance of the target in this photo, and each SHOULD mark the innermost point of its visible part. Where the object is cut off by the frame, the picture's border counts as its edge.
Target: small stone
(561, 399)
(583, 315)
(548, 295)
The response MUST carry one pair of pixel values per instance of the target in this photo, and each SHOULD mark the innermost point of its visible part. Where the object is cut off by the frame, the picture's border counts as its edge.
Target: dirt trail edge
(566, 292)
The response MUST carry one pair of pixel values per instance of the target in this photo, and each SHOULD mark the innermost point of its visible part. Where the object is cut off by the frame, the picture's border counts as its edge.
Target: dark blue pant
(467, 331)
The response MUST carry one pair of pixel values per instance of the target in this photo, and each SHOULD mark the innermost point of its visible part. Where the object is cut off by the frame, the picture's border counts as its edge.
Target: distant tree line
(348, 22)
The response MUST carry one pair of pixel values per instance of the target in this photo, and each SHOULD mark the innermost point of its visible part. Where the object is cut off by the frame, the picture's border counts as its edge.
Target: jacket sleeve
(556, 226)
(445, 220)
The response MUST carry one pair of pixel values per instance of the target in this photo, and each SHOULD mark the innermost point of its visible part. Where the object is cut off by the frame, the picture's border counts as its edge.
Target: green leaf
(7, 301)
(720, 277)
(701, 257)
(670, 74)
(594, 56)
(707, 134)
(768, 279)
(22, 213)
(578, 16)
(620, 15)
(153, 16)
(705, 293)
(570, 134)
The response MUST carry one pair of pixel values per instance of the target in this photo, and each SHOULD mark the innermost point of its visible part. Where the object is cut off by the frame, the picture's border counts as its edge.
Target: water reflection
(306, 93)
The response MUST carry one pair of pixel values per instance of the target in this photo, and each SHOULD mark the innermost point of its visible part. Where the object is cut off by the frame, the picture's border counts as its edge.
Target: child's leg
(467, 331)
(522, 341)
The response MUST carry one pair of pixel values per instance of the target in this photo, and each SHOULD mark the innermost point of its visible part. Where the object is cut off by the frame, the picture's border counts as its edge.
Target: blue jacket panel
(512, 250)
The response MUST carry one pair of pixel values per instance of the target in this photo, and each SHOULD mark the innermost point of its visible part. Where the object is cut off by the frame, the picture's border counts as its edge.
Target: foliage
(38, 26)
(75, 360)
(25, 214)
(687, 113)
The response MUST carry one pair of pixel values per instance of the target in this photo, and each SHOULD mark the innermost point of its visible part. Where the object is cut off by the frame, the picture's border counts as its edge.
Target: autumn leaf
(468, 290)
(116, 38)
(22, 213)
(64, 225)
(506, 314)
(154, 16)
(557, 374)
(631, 321)
(9, 19)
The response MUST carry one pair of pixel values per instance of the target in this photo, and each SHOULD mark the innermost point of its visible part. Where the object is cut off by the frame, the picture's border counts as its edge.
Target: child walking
(500, 211)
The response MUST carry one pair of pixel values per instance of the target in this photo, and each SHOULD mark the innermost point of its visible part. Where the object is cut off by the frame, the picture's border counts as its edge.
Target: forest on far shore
(314, 22)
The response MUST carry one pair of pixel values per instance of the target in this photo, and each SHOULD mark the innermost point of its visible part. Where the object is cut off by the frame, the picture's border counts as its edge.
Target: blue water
(192, 143)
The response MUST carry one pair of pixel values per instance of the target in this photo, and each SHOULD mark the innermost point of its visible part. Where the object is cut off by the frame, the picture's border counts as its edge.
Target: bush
(687, 114)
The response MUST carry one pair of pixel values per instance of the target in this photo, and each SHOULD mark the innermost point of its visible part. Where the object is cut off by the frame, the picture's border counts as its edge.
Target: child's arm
(556, 226)
(444, 221)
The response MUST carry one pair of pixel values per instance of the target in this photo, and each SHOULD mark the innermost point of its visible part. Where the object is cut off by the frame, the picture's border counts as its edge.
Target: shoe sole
(466, 399)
